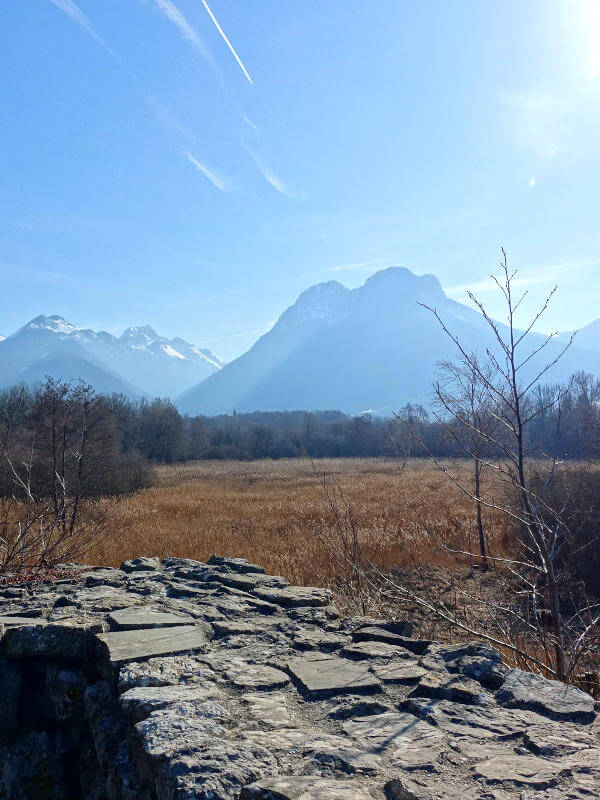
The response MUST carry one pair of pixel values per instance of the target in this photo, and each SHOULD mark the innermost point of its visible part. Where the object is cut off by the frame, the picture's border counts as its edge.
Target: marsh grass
(274, 513)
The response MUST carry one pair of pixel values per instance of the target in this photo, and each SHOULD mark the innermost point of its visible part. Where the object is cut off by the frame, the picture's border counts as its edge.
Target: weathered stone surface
(318, 639)
(325, 677)
(210, 711)
(142, 617)
(141, 701)
(10, 687)
(408, 672)
(295, 596)
(373, 633)
(270, 709)
(66, 690)
(444, 686)
(142, 564)
(69, 642)
(167, 671)
(521, 770)
(249, 676)
(236, 628)
(104, 577)
(373, 649)
(234, 564)
(249, 580)
(305, 788)
(135, 645)
(7, 621)
(528, 691)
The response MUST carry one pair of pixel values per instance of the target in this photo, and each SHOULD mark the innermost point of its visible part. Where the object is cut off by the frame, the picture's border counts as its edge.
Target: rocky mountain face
(181, 679)
(140, 362)
(374, 349)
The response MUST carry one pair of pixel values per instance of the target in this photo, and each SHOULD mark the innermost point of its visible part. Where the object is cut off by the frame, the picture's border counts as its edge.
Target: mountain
(140, 362)
(369, 349)
(588, 337)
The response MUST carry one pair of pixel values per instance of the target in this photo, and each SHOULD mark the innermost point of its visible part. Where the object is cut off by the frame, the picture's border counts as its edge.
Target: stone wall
(178, 679)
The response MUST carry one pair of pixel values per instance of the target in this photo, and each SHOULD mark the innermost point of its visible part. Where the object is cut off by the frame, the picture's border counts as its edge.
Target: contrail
(72, 10)
(217, 180)
(174, 15)
(268, 174)
(227, 42)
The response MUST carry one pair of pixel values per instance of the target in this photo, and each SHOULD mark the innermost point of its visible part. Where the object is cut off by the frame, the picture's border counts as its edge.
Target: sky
(196, 164)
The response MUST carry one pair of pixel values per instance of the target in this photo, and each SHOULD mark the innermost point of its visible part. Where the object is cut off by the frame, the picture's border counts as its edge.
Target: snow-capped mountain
(373, 348)
(139, 362)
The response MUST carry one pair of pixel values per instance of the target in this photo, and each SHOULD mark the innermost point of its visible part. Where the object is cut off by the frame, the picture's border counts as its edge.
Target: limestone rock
(295, 596)
(325, 677)
(141, 701)
(305, 788)
(234, 564)
(528, 691)
(257, 677)
(142, 564)
(378, 633)
(120, 647)
(10, 688)
(142, 617)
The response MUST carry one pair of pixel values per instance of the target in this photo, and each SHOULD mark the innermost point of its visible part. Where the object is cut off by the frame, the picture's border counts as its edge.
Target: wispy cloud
(170, 11)
(217, 180)
(72, 10)
(269, 175)
(226, 40)
(540, 275)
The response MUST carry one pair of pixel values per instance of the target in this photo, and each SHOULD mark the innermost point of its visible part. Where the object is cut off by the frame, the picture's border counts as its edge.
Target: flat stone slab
(249, 676)
(11, 622)
(363, 650)
(532, 692)
(295, 596)
(234, 564)
(325, 677)
(521, 770)
(121, 647)
(248, 581)
(444, 686)
(141, 617)
(305, 788)
(399, 672)
(269, 708)
(374, 633)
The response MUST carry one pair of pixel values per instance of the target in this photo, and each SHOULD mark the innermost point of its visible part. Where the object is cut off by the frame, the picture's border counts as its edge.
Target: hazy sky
(157, 169)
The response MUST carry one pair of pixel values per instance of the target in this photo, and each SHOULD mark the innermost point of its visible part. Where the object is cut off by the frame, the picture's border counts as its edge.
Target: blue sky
(148, 176)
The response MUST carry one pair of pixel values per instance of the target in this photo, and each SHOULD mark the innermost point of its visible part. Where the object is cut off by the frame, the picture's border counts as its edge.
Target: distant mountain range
(138, 363)
(370, 349)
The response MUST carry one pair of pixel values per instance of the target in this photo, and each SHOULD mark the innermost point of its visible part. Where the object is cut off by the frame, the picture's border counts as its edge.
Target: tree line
(124, 436)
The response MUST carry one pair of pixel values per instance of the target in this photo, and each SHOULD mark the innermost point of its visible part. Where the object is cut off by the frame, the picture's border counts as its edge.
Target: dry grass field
(276, 513)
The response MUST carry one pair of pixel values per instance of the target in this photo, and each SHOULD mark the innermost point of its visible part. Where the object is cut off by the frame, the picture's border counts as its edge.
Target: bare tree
(464, 410)
(54, 446)
(527, 609)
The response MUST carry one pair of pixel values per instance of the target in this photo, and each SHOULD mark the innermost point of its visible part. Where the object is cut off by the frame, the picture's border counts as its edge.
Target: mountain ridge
(139, 362)
(373, 348)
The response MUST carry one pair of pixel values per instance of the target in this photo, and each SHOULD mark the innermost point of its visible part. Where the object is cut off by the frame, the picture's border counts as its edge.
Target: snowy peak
(140, 356)
(52, 323)
(142, 336)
